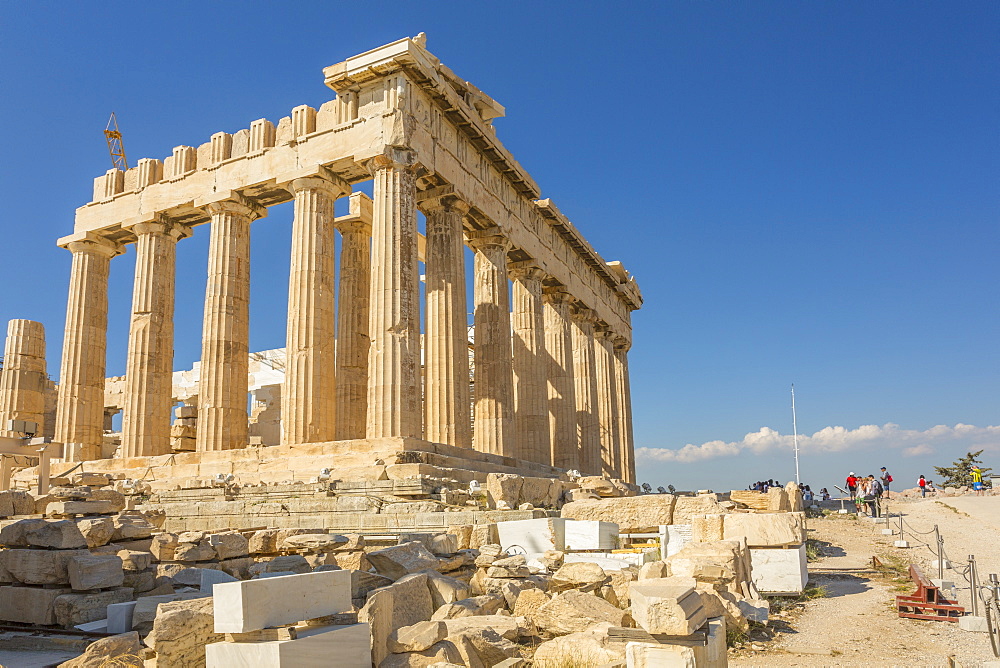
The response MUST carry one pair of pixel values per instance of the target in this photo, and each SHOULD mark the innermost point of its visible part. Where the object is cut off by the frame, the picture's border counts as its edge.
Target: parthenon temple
(550, 330)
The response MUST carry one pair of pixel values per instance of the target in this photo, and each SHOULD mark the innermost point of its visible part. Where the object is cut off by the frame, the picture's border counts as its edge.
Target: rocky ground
(856, 623)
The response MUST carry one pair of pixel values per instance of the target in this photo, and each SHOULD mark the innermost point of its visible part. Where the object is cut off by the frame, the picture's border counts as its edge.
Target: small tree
(958, 474)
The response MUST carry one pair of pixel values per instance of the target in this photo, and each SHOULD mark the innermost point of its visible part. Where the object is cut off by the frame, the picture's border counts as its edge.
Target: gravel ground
(856, 622)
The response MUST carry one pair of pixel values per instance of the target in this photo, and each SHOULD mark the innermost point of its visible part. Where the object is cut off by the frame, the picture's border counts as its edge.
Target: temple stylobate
(552, 319)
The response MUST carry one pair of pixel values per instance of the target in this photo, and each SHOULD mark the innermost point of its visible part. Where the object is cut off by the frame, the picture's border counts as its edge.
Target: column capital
(392, 158)
(232, 202)
(602, 332)
(620, 343)
(557, 294)
(525, 270)
(491, 237)
(359, 217)
(583, 315)
(442, 198)
(91, 242)
(159, 224)
(319, 178)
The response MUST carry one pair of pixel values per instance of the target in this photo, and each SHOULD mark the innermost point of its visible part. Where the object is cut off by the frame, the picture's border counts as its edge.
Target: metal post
(901, 527)
(974, 581)
(940, 552)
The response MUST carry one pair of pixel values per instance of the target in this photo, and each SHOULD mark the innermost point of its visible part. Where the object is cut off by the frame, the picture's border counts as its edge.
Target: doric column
(222, 387)
(353, 341)
(624, 397)
(561, 387)
(309, 395)
(585, 377)
(607, 404)
(531, 409)
(494, 374)
(22, 378)
(149, 365)
(80, 413)
(446, 335)
(394, 356)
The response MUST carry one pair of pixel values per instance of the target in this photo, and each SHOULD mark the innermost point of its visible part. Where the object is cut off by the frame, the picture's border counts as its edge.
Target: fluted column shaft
(22, 378)
(585, 377)
(624, 396)
(309, 394)
(494, 373)
(531, 410)
(394, 356)
(222, 387)
(80, 413)
(353, 341)
(607, 405)
(561, 387)
(446, 347)
(149, 365)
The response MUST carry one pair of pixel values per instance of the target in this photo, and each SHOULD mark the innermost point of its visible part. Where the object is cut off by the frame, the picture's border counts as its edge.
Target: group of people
(868, 491)
(807, 493)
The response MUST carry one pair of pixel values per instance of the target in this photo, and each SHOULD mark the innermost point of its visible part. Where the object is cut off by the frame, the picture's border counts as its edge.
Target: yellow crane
(115, 146)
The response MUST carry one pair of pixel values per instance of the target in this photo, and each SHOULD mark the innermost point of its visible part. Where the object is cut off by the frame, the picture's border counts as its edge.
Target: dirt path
(856, 622)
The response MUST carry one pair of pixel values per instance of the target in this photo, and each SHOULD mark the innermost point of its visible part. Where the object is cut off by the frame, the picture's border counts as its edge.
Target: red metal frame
(927, 602)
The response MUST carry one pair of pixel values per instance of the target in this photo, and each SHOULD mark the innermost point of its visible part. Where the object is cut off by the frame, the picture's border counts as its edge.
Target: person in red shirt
(852, 485)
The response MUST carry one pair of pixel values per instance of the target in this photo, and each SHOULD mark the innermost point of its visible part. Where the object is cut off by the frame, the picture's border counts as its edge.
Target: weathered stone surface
(140, 581)
(131, 526)
(97, 531)
(229, 545)
(355, 561)
(400, 560)
(294, 563)
(83, 479)
(70, 493)
(40, 567)
(124, 650)
(592, 647)
(443, 589)
(645, 655)
(463, 534)
(578, 575)
(163, 546)
(483, 534)
(73, 609)
(706, 528)
(416, 637)
(777, 500)
(59, 534)
(631, 514)
(653, 569)
(688, 507)
(668, 609)
(146, 607)
(81, 508)
(92, 571)
(511, 628)
(528, 601)
(504, 487)
(133, 560)
(314, 542)
(200, 551)
(443, 654)
(363, 582)
(180, 632)
(393, 607)
(29, 605)
(488, 604)
(723, 564)
(574, 611)
(765, 529)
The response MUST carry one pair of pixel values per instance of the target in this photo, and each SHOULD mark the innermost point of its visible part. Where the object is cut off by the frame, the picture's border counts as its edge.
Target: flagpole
(795, 437)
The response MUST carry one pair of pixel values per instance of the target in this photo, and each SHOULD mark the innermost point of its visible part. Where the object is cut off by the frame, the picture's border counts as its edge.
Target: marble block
(316, 647)
(779, 571)
(590, 535)
(241, 607)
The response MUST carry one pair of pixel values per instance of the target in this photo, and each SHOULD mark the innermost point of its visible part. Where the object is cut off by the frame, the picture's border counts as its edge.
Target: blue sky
(806, 192)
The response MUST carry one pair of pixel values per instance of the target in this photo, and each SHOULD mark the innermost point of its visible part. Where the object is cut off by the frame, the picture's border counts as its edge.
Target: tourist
(977, 480)
(931, 488)
(886, 479)
(922, 484)
(824, 494)
(852, 485)
(860, 490)
(874, 496)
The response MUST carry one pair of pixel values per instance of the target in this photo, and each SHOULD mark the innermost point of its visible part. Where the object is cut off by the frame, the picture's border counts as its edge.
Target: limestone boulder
(794, 497)
(62, 508)
(38, 567)
(620, 583)
(668, 609)
(503, 487)
(163, 545)
(29, 605)
(200, 551)
(6, 503)
(593, 647)
(70, 493)
(483, 648)
(653, 569)
(688, 507)
(24, 503)
(90, 479)
(73, 609)
(443, 589)
(96, 531)
(574, 611)
(400, 560)
(180, 632)
(463, 535)
(416, 637)
(294, 563)
(541, 492)
(440, 655)
(139, 581)
(147, 607)
(314, 542)
(722, 564)
(600, 486)
(488, 604)
(483, 534)
(131, 526)
(705, 528)
(777, 500)
(765, 529)
(134, 560)
(648, 655)
(94, 571)
(123, 650)
(354, 561)
(229, 545)
(393, 607)
(631, 514)
(511, 628)
(528, 601)
(115, 499)
(583, 575)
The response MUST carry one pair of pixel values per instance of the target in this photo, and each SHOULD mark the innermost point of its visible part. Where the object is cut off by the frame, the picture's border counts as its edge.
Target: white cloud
(911, 442)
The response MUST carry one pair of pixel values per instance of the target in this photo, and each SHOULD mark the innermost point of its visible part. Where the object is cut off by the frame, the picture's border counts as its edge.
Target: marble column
(585, 377)
(353, 340)
(23, 378)
(80, 412)
(222, 387)
(494, 365)
(531, 409)
(149, 365)
(565, 453)
(394, 356)
(624, 397)
(309, 394)
(607, 404)
(446, 335)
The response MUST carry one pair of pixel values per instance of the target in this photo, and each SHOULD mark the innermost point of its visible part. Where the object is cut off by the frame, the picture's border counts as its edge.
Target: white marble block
(779, 571)
(317, 647)
(120, 617)
(241, 607)
(590, 535)
(533, 536)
